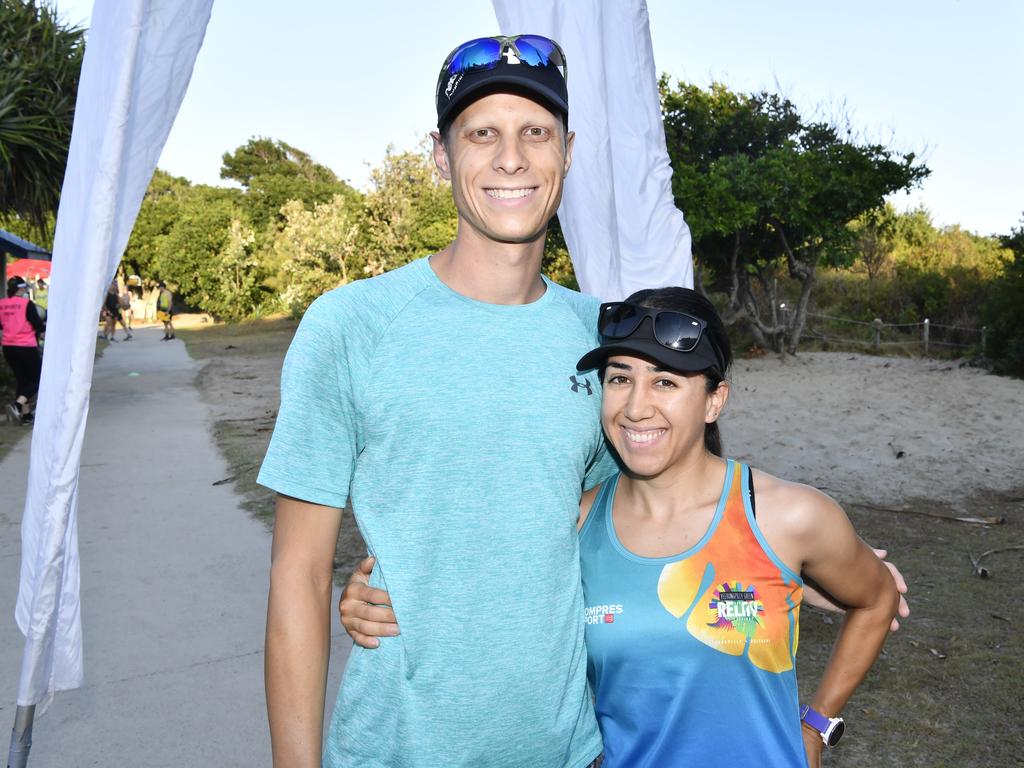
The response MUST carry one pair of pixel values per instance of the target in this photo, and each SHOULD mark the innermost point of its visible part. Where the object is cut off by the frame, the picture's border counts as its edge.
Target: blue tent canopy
(19, 248)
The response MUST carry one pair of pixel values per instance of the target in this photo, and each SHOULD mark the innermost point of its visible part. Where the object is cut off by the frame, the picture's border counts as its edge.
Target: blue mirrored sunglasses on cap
(487, 53)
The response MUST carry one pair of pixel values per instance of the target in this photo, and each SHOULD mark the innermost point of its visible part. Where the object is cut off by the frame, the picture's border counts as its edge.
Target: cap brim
(499, 83)
(700, 359)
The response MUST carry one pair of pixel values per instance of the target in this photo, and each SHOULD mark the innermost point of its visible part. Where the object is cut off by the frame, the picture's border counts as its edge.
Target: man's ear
(441, 156)
(570, 139)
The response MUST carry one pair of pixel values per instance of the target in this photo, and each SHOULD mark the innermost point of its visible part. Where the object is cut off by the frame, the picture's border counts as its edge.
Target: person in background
(112, 314)
(41, 298)
(126, 308)
(21, 327)
(165, 309)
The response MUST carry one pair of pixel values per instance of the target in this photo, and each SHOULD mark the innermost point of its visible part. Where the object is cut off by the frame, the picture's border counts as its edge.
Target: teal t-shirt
(463, 435)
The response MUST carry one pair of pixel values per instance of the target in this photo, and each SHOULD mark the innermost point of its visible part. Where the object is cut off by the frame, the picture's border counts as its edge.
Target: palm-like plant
(40, 62)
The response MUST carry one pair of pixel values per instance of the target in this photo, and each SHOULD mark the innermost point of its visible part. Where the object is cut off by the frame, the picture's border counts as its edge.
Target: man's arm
(298, 629)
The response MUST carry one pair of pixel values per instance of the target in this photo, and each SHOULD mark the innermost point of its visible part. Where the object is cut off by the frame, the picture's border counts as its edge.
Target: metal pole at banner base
(21, 737)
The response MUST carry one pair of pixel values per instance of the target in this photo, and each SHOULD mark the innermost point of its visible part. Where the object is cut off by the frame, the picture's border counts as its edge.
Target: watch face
(836, 733)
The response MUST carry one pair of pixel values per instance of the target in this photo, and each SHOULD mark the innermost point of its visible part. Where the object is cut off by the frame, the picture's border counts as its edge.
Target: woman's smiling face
(654, 417)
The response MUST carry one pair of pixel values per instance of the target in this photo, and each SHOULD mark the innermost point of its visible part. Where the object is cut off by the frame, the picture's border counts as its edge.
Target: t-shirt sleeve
(317, 436)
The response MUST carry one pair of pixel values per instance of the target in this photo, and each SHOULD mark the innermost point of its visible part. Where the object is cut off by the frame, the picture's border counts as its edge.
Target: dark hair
(693, 303)
(14, 284)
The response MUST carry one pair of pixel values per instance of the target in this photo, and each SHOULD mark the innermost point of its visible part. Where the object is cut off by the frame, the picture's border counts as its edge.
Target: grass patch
(952, 672)
(262, 338)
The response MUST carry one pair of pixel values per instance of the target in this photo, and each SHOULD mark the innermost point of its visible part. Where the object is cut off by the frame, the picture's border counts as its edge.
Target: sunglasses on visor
(677, 331)
(487, 53)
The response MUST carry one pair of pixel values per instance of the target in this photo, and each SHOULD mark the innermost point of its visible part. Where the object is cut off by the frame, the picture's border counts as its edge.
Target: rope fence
(878, 334)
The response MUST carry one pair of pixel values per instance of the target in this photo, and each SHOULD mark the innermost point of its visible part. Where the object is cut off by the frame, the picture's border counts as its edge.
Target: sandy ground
(880, 431)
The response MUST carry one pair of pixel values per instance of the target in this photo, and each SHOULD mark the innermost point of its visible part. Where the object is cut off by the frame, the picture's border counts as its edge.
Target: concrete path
(174, 583)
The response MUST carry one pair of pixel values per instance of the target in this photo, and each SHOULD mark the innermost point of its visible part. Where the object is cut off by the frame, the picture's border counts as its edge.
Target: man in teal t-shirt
(442, 400)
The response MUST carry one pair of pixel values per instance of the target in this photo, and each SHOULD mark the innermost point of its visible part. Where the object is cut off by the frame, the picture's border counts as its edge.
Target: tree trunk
(807, 284)
(698, 273)
(806, 273)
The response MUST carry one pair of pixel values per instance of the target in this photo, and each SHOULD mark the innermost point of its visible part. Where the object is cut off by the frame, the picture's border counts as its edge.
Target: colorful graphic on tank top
(722, 610)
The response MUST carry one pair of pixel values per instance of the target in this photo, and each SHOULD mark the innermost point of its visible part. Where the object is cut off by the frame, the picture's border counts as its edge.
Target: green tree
(767, 193)
(27, 230)
(273, 173)
(234, 292)
(875, 233)
(40, 62)
(161, 208)
(408, 212)
(1003, 313)
(557, 264)
(189, 253)
(316, 251)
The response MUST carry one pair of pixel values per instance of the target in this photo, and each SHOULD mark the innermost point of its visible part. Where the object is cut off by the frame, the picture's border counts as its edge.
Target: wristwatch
(830, 728)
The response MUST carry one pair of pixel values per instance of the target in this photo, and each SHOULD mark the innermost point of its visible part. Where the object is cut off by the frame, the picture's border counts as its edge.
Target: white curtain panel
(621, 225)
(138, 62)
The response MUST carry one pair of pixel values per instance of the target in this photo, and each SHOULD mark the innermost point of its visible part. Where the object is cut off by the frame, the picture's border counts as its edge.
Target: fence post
(926, 337)
(878, 333)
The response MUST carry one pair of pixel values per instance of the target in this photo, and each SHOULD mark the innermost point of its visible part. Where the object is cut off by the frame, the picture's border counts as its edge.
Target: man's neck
(492, 272)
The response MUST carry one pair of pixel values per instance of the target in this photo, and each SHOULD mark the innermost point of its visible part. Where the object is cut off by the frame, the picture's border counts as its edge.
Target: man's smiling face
(506, 157)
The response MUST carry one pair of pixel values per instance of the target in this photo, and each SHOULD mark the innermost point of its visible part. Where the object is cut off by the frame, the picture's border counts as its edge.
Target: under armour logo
(577, 384)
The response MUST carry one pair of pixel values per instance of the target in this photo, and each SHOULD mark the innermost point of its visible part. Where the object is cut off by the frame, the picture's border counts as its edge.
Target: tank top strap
(736, 504)
(735, 518)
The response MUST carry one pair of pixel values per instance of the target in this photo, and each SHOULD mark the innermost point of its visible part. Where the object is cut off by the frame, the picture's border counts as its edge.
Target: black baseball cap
(530, 65)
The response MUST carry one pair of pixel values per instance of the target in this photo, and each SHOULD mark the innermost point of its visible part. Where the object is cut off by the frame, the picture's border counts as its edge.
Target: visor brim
(700, 359)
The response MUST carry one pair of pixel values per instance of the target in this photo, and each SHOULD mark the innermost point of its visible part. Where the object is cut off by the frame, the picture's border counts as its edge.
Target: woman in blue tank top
(692, 581)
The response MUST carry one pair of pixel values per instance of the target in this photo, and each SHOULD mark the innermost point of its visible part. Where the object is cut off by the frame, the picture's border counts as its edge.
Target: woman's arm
(819, 536)
(813, 596)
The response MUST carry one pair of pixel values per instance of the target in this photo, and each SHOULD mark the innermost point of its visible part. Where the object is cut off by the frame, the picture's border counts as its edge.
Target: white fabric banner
(619, 220)
(138, 62)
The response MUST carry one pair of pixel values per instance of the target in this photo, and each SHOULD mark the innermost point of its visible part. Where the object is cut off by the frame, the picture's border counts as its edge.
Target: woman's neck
(687, 485)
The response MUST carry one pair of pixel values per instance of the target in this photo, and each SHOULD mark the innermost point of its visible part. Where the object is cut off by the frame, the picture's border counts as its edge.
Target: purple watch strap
(816, 720)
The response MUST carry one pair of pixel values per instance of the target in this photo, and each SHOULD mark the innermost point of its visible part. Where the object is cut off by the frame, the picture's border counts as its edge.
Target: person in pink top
(21, 325)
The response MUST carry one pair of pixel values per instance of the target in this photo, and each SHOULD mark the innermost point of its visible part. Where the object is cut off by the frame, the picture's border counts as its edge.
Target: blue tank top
(692, 657)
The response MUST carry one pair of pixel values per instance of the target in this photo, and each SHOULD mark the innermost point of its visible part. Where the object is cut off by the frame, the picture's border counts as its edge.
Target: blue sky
(343, 80)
